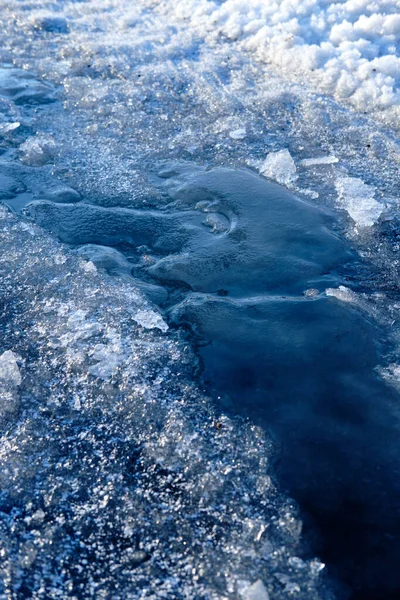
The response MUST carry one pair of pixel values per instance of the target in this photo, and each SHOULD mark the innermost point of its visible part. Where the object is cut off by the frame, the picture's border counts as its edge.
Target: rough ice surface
(342, 293)
(94, 96)
(115, 480)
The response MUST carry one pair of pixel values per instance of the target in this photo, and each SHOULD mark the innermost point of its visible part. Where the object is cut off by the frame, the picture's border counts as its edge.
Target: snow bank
(347, 49)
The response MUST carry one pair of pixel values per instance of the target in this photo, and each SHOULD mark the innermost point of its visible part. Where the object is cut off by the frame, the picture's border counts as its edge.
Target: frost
(280, 166)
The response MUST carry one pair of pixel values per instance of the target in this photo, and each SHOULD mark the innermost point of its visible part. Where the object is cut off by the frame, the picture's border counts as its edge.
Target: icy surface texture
(224, 229)
(279, 345)
(115, 479)
(153, 79)
(109, 89)
(24, 88)
(349, 49)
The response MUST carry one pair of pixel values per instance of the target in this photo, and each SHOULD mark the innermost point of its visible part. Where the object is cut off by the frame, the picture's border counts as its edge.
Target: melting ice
(151, 140)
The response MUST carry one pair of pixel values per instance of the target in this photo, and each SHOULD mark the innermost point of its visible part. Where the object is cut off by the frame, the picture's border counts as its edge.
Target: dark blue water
(246, 265)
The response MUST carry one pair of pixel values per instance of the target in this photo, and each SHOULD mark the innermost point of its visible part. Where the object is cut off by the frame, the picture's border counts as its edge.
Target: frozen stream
(199, 300)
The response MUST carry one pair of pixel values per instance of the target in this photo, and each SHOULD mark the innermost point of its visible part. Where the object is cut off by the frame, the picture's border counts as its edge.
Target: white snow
(347, 49)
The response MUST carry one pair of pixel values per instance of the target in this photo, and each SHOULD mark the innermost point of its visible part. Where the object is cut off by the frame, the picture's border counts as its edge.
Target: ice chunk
(342, 293)
(358, 199)
(90, 267)
(238, 134)
(256, 591)
(7, 127)
(319, 160)
(150, 320)
(37, 151)
(280, 166)
(9, 370)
